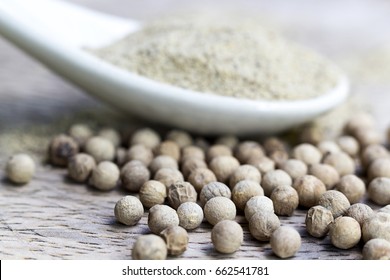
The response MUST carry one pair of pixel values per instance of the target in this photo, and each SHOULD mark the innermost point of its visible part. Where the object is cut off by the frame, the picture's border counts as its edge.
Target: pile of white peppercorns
(183, 181)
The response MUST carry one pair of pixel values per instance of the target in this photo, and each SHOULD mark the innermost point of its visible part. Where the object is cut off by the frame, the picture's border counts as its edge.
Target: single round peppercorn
(307, 153)
(152, 192)
(100, 149)
(80, 132)
(318, 220)
(263, 224)
(190, 215)
(128, 210)
(258, 204)
(294, 167)
(149, 247)
(376, 249)
(227, 236)
(342, 162)
(168, 148)
(349, 145)
(377, 226)
(180, 192)
(379, 190)
(309, 189)
(105, 176)
(379, 168)
(360, 212)
(335, 201)
(285, 200)
(145, 136)
(162, 161)
(285, 242)
(192, 152)
(247, 149)
(61, 148)
(263, 164)
(176, 239)
(217, 150)
(141, 153)
(228, 140)
(223, 167)
(168, 176)
(192, 164)
(160, 217)
(345, 232)
(218, 209)
(80, 167)
(111, 135)
(180, 137)
(133, 175)
(20, 168)
(328, 147)
(326, 173)
(352, 187)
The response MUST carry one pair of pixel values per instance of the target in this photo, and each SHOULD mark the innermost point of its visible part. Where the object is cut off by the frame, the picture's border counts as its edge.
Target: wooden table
(53, 218)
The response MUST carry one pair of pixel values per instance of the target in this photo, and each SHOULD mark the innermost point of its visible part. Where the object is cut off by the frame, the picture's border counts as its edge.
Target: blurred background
(354, 33)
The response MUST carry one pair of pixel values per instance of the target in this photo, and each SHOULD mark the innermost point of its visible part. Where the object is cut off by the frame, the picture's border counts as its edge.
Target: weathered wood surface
(53, 218)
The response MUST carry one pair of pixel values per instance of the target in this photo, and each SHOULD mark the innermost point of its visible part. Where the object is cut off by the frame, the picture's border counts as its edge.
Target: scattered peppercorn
(149, 247)
(227, 236)
(20, 168)
(129, 210)
(285, 242)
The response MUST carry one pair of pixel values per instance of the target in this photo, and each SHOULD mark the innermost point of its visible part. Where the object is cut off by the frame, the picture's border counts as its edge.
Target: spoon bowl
(57, 33)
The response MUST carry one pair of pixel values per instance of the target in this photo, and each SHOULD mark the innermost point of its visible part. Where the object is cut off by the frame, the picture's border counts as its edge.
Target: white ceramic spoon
(56, 32)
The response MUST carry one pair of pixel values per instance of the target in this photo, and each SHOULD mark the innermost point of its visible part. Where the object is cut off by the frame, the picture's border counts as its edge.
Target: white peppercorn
(359, 120)
(352, 187)
(111, 135)
(217, 150)
(145, 136)
(218, 209)
(360, 212)
(349, 145)
(141, 153)
(214, 189)
(243, 191)
(342, 162)
(180, 192)
(192, 152)
(272, 144)
(180, 137)
(129, 210)
(80, 167)
(367, 137)
(105, 176)
(201, 177)
(372, 152)
(176, 239)
(377, 226)
(120, 156)
(335, 201)
(168, 176)
(318, 220)
(259, 204)
(152, 192)
(309, 189)
(100, 149)
(263, 164)
(223, 167)
(273, 179)
(294, 167)
(307, 153)
(279, 156)
(379, 190)
(379, 168)
(345, 232)
(168, 148)
(376, 249)
(20, 168)
(263, 224)
(227, 236)
(248, 149)
(61, 148)
(245, 172)
(192, 164)
(160, 217)
(80, 132)
(285, 200)
(285, 242)
(326, 173)
(190, 215)
(149, 247)
(133, 175)
(162, 161)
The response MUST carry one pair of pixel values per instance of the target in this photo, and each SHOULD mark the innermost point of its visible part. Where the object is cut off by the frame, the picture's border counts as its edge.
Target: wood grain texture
(53, 218)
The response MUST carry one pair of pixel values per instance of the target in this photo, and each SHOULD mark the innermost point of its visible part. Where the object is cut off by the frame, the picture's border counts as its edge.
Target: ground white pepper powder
(219, 55)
